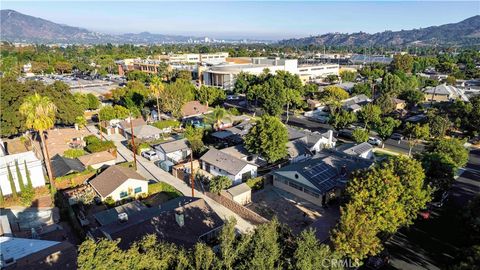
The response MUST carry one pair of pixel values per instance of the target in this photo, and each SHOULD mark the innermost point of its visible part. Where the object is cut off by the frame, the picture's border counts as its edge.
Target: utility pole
(192, 182)
(134, 148)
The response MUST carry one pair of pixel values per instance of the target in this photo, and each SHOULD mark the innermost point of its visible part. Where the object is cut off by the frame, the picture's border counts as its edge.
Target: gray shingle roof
(172, 146)
(62, 166)
(239, 189)
(224, 161)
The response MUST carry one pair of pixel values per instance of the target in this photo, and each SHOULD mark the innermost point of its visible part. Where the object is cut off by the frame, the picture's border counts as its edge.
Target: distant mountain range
(466, 32)
(18, 27)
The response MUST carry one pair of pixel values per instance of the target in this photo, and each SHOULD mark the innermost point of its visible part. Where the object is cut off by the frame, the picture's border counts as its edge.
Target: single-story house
(98, 160)
(144, 132)
(444, 92)
(175, 151)
(34, 167)
(363, 150)
(183, 221)
(62, 166)
(305, 144)
(62, 139)
(319, 179)
(241, 194)
(119, 183)
(124, 126)
(194, 108)
(217, 162)
(355, 103)
(233, 135)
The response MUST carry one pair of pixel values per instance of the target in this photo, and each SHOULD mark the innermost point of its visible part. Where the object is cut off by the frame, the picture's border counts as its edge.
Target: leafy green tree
(439, 170)
(415, 134)
(63, 67)
(333, 93)
(438, 124)
(107, 113)
(203, 257)
(362, 89)
(355, 235)
(182, 75)
(348, 76)
(470, 259)
(264, 247)
(370, 114)
(402, 63)
(176, 95)
(121, 112)
(360, 135)
(272, 95)
(39, 112)
(228, 252)
(219, 183)
(194, 137)
(386, 103)
(12, 183)
(293, 97)
(392, 84)
(81, 121)
(452, 148)
(342, 118)
(415, 192)
(92, 102)
(412, 96)
(210, 95)
(268, 138)
(310, 254)
(217, 116)
(386, 127)
(137, 75)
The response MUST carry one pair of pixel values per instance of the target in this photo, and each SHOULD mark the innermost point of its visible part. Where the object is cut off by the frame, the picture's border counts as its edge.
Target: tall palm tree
(194, 139)
(156, 87)
(39, 112)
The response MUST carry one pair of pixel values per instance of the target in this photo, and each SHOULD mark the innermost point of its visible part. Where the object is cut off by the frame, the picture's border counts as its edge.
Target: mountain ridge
(465, 32)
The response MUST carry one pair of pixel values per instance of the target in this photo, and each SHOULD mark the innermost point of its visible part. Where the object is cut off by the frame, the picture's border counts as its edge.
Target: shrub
(109, 201)
(255, 183)
(74, 153)
(234, 111)
(99, 146)
(91, 139)
(218, 183)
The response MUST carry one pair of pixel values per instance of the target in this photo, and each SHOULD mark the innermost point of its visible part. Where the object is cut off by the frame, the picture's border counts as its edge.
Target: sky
(241, 19)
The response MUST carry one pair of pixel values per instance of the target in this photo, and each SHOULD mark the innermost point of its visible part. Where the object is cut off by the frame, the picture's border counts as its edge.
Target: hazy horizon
(250, 20)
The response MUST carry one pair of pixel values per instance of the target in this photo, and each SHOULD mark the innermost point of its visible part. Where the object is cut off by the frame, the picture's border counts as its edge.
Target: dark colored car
(346, 133)
(396, 136)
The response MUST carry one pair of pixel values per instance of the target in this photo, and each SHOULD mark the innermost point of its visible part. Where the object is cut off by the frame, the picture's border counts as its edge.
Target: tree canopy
(268, 138)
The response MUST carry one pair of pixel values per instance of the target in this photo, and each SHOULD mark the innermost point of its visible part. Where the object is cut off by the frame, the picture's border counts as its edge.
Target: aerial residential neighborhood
(229, 136)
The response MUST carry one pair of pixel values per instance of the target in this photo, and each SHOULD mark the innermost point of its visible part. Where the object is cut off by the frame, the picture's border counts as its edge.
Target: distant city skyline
(251, 20)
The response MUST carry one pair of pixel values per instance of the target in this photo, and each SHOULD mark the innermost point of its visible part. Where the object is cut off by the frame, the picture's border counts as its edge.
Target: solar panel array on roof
(321, 175)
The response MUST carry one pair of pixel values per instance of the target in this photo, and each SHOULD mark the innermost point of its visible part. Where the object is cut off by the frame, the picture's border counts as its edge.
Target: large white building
(34, 167)
(224, 75)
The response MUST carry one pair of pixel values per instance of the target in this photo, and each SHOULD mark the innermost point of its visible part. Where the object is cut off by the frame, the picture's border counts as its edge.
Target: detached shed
(241, 194)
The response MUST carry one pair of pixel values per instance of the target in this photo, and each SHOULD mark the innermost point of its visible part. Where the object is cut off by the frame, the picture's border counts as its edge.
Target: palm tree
(156, 87)
(39, 112)
(218, 115)
(194, 139)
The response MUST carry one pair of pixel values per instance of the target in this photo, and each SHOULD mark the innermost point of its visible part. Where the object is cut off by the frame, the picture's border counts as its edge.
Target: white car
(150, 155)
(374, 141)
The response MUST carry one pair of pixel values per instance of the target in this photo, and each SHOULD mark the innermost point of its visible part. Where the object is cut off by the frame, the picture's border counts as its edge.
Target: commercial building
(224, 75)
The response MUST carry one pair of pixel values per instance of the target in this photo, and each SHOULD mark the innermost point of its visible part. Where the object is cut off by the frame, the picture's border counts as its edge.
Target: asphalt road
(434, 243)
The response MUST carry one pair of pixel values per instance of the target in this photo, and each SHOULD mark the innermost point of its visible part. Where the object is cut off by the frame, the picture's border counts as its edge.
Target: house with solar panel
(321, 178)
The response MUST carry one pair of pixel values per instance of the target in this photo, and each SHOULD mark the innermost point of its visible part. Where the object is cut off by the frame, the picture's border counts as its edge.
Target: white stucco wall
(108, 163)
(34, 166)
(129, 184)
(237, 179)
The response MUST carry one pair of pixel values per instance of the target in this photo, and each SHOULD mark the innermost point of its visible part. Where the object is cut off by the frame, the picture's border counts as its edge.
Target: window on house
(123, 194)
(138, 190)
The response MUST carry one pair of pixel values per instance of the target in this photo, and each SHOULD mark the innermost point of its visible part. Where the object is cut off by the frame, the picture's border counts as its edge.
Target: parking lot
(297, 213)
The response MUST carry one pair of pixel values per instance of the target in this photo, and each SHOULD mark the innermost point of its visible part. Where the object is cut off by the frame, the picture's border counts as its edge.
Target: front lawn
(165, 188)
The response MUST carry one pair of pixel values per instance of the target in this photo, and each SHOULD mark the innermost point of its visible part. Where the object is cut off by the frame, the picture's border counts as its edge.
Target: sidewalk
(151, 171)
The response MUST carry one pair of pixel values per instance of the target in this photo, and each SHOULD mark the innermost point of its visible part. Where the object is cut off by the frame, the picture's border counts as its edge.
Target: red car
(424, 214)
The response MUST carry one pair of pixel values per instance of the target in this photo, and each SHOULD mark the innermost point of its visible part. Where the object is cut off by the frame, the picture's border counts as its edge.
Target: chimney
(180, 218)
(76, 126)
(330, 138)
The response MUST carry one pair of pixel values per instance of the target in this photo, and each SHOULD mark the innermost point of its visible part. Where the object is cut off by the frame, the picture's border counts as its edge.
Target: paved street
(151, 171)
(433, 243)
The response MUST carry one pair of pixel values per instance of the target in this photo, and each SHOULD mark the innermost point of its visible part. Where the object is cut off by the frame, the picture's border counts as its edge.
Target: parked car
(396, 136)
(424, 214)
(374, 141)
(150, 155)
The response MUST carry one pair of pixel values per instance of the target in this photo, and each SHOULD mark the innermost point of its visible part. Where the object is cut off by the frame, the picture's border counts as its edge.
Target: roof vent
(122, 217)
(180, 218)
